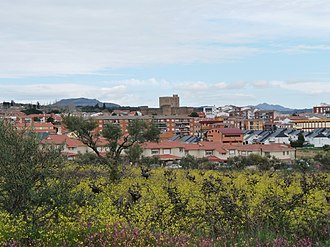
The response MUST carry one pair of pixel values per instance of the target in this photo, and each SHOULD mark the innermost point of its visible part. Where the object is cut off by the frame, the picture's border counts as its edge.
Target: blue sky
(210, 52)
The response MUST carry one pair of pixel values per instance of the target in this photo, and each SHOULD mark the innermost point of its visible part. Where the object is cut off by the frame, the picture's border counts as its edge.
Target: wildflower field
(174, 207)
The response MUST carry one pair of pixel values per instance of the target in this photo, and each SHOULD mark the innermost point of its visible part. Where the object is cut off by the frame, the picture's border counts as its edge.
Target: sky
(130, 52)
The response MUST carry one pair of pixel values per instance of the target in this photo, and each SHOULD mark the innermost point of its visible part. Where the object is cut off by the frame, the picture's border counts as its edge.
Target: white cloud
(233, 85)
(78, 37)
(198, 86)
(309, 88)
(44, 92)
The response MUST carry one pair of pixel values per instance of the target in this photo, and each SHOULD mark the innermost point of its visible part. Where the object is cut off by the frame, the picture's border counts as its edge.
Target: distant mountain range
(83, 102)
(270, 107)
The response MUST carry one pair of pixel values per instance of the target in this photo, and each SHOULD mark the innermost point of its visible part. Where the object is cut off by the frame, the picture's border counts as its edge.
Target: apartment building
(322, 109)
(309, 125)
(171, 125)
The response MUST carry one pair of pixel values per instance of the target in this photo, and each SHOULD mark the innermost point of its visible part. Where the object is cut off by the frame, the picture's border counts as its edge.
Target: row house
(317, 137)
(172, 150)
(72, 147)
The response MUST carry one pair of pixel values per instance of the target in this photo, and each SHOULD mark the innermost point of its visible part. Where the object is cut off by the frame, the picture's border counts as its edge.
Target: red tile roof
(62, 139)
(214, 159)
(168, 157)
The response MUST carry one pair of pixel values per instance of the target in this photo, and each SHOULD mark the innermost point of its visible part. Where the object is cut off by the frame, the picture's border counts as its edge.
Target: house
(280, 151)
(71, 147)
(214, 151)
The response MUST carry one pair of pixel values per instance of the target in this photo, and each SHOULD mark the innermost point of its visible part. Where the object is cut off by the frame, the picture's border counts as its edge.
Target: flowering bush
(184, 208)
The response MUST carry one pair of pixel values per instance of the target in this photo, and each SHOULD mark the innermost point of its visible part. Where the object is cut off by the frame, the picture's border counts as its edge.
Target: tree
(84, 129)
(262, 163)
(137, 132)
(193, 114)
(134, 153)
(190, 162)
(298, 143)
(26, 172)
(50, 120)
(30, 111)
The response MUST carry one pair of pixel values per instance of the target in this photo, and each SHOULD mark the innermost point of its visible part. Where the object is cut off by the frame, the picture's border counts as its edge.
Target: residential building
(173, 150)
(232, 136)
(322, 109)
(311, 124)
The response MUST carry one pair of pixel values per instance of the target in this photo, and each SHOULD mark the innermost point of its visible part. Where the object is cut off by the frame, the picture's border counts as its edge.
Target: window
(283, 152)
(244, 153)
(155, 151)
(167, 151)
(181, 149)
(208, 152)
(231, 152)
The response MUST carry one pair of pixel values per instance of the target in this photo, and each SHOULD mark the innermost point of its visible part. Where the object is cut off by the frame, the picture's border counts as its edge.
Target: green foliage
(22, 166)
(83, 128)
(193, 114)
(138, 132)
(150, 161)
(260, 162)
(190, 162)
(326, 147)
(324, 160)
(50, 120)
(298, 143)
(32, 183)
(134, 153)
(225, 208)
(30, 111)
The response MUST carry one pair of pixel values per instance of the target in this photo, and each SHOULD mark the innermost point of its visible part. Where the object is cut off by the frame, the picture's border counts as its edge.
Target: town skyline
(208, 52)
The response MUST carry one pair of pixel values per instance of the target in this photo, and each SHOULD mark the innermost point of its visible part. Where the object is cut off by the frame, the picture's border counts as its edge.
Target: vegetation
(84, 129)
(46, 201)
(298, 143)
(193, 114)
(32, 185)
(30, 111)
